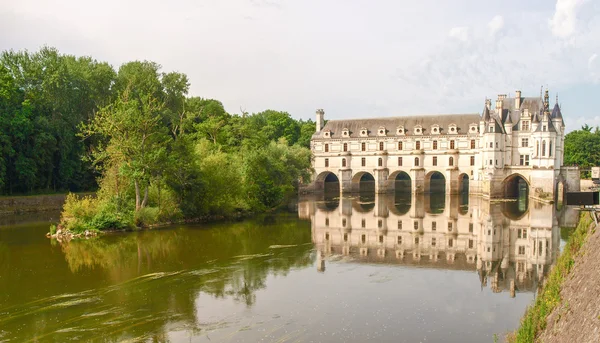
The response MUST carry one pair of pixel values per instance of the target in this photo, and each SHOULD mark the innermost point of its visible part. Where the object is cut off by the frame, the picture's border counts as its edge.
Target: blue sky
(354, 58)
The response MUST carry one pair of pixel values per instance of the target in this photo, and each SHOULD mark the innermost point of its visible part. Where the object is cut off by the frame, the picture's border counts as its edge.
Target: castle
(515, 146)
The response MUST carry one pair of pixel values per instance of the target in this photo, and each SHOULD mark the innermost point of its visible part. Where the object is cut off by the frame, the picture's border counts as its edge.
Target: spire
(556, 114)
(485, 115)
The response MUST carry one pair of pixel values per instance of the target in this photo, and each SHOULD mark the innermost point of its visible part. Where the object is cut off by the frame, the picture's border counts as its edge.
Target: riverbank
(32, 203)
(567, 308)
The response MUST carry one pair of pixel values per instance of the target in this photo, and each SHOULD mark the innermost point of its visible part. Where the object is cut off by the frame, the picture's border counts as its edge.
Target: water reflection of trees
(144, 284)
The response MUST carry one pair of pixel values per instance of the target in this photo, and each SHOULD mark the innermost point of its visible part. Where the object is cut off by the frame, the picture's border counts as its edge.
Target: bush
(88, 213)
(146, 216)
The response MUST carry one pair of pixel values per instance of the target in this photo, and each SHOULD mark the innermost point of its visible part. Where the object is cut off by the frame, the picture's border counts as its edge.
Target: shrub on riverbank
(548, 298)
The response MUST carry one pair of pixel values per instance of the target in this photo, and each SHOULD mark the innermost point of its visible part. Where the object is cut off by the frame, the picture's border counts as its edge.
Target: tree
(134, 138)
(582, 147)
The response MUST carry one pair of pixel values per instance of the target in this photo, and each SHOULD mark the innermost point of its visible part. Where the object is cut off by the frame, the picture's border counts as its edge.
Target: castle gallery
(513, 145)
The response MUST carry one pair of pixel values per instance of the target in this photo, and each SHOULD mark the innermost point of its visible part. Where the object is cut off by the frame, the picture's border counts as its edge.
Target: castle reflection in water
(511, 245)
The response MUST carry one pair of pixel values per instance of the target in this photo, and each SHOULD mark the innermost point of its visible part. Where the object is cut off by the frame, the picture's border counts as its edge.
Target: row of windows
(415, 225)
(363, 145)
(363, 239)
(363, 161)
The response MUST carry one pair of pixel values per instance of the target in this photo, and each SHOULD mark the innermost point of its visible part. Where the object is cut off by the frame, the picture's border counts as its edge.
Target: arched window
(543, 148)
(550, 149)
(416, 161)
(345, 146)
(399, 161)
(326, 162)
(343, 162)
(537, 148)
(380, 145)
(435, 160)
(399, 145)
(380, 162)
(451, 161)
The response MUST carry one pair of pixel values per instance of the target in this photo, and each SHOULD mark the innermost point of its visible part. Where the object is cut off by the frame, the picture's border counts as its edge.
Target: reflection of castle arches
(515, 210)
(463, 183)
(363, 204)
(435, 182)
(399, 204)
(399, 181)
(515, 185)
(328, 181)
(363, 181)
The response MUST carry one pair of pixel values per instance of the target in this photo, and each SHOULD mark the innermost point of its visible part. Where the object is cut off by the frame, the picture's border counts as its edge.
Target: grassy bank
(548, 298)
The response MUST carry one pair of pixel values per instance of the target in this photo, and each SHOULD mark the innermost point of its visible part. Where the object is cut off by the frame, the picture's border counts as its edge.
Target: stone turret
(320, 119)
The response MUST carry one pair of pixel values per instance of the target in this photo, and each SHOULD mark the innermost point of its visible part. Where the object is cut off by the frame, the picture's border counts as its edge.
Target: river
(388, 268)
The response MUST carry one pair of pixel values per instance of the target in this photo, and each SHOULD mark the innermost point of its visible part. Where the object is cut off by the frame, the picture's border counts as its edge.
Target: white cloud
(495, 25)
(564, 22)
(460, 33)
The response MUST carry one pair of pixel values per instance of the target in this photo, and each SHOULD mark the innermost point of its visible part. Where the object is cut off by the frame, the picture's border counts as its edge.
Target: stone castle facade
(518, 139)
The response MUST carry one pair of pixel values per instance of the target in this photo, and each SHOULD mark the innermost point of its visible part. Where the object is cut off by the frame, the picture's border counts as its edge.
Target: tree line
(135, 135)
(582, 148)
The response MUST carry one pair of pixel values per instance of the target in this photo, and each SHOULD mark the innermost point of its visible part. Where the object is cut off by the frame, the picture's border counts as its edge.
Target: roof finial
(556, 98)
(546, 101)
(541, 91)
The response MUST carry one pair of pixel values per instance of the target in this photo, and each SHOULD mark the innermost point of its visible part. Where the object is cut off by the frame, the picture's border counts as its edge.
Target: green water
(280, 278)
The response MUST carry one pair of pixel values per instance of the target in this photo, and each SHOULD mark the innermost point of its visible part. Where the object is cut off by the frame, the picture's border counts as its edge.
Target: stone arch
(515, 186)
(399, 181)
(435, 182)
(463, 183)
(327, 181)
(363, 182)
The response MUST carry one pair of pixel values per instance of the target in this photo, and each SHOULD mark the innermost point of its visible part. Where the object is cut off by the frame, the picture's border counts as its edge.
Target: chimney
(517, 99)
(320, 119)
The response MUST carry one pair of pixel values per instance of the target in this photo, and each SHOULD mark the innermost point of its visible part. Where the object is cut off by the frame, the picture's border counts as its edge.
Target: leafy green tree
(135, 138)
(582, 147)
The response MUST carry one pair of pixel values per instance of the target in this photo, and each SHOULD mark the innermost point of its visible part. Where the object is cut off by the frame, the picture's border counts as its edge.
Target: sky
(353, 58)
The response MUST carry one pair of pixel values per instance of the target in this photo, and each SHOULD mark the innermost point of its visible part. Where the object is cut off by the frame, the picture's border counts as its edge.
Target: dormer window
(525, 125)
(400, 130)
(364, 132)
(381, 131)
(327, 134)
(435, 129)
(473, 128)
(491, 128)
(418, 130)
(452, 129)
(345, 132)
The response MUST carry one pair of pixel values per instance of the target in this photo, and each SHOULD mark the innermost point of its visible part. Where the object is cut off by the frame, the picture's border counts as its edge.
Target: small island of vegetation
(151, 153)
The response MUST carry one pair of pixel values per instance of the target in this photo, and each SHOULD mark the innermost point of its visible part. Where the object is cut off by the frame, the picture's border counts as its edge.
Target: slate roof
(462, 122)
(556, 113)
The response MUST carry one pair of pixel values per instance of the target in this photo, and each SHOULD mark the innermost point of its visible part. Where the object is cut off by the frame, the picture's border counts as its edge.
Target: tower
(320, 119)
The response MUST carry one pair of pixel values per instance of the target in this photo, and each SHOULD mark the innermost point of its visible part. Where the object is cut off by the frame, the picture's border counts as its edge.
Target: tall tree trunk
(137, 196)
(145, 201)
